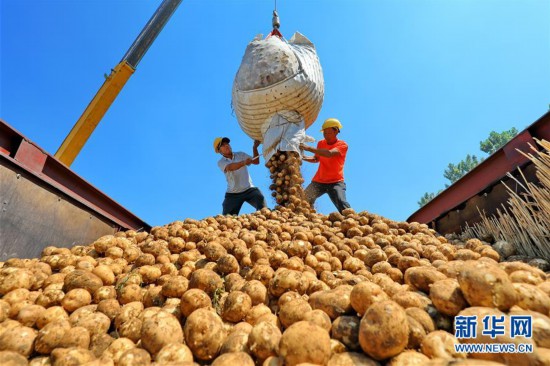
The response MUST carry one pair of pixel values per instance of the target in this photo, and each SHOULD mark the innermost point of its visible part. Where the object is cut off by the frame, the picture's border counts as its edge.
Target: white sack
(274, 77)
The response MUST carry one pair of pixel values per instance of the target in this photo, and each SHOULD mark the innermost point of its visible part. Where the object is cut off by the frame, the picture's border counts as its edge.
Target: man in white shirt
(239, 184)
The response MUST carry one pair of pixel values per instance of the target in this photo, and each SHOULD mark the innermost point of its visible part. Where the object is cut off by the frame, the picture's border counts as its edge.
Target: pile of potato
(286, 176)
(271, 288)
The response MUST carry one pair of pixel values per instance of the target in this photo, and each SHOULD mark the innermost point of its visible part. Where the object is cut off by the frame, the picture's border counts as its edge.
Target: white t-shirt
(237, 180)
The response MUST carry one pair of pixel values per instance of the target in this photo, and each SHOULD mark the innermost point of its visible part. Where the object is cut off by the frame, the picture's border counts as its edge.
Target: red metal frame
(19, 150)
(488, 173)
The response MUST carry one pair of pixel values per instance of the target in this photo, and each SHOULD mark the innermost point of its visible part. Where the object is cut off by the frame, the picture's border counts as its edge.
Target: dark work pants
(336, 192)
(234, 201)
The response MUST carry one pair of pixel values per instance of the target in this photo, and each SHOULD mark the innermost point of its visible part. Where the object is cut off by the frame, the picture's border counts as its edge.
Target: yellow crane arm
(95, 111)
(108, 92)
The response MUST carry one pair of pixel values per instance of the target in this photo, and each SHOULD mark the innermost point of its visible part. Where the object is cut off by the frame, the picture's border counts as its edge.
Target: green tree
(427, 197)
(497, 140)
(456, 171)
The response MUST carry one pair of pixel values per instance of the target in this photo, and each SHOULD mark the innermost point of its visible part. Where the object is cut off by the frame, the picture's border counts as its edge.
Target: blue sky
(417, 85)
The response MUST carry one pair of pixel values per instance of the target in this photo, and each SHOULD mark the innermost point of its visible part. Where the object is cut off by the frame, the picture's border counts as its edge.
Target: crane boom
(94, 112)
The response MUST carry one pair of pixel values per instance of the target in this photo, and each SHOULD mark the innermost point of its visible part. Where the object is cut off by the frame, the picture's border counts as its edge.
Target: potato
(51, 336)
(364, 294)
(134, 357)
(263, 340)
(522, 276)
(422, 317)
(173, 306)
(71, 356)
(320, 318)
(99, 343)
(204, 334)
(131, 329)
(82, 279)
(76, 298)
(14, 278)
(531, 297)
(104, 293)
(236, 306)
(28, 315)
(153, 297)
(294, 350)
(256, 312)
(351, 359)
(409, 358)
(105, 273)
(236, 358)
(287, 280)
(10, 358)
(236, 342)
(293, 311)
(440, 344)
(421, 278)
(4, 310)
(194, 299)
(346, 330)
(95, 322)
(384, 330)
(51, 314)
(409, 299)
(78, 337)
(545, 286)
(174, 353)
(387, 284)
(175, 287)
(110, 307)
(256, 290)
(159, 330)
(130, 293)
(127, 312)
(18, 339)
(447, 296)
(417, 333)
(487, 285)
(335, 302)
(117, 348)
(206, 280)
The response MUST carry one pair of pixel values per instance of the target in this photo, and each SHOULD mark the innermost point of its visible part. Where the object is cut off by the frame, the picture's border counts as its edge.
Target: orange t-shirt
(331, 170)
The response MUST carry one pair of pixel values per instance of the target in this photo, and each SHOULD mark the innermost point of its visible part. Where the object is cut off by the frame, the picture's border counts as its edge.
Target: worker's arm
(238, 165)
(255, 152)
(321, 152)
(310, 159)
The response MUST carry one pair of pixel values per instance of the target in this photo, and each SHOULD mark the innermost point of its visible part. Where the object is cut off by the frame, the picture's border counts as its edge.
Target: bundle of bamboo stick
(525, 220)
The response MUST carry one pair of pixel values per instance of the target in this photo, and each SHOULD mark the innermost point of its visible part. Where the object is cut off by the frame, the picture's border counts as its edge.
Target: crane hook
(275, 21)
(276, 24)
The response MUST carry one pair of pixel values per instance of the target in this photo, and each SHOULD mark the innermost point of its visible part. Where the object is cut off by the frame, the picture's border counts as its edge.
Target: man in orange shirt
(331, 156)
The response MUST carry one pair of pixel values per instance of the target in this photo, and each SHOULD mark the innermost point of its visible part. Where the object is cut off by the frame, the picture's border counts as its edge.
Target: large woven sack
(276, 76)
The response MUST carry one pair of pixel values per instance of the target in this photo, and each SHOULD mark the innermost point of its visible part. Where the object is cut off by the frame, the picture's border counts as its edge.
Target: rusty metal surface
(488, 201)
(452, 208)
(34, 216)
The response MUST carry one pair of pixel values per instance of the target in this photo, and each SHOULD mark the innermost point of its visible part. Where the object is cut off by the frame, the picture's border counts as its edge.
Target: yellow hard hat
(218, 142)
(331, 122)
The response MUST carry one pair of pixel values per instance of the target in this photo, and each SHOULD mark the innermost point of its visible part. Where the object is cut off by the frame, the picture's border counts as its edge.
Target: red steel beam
(488, 173)
(18, 150)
